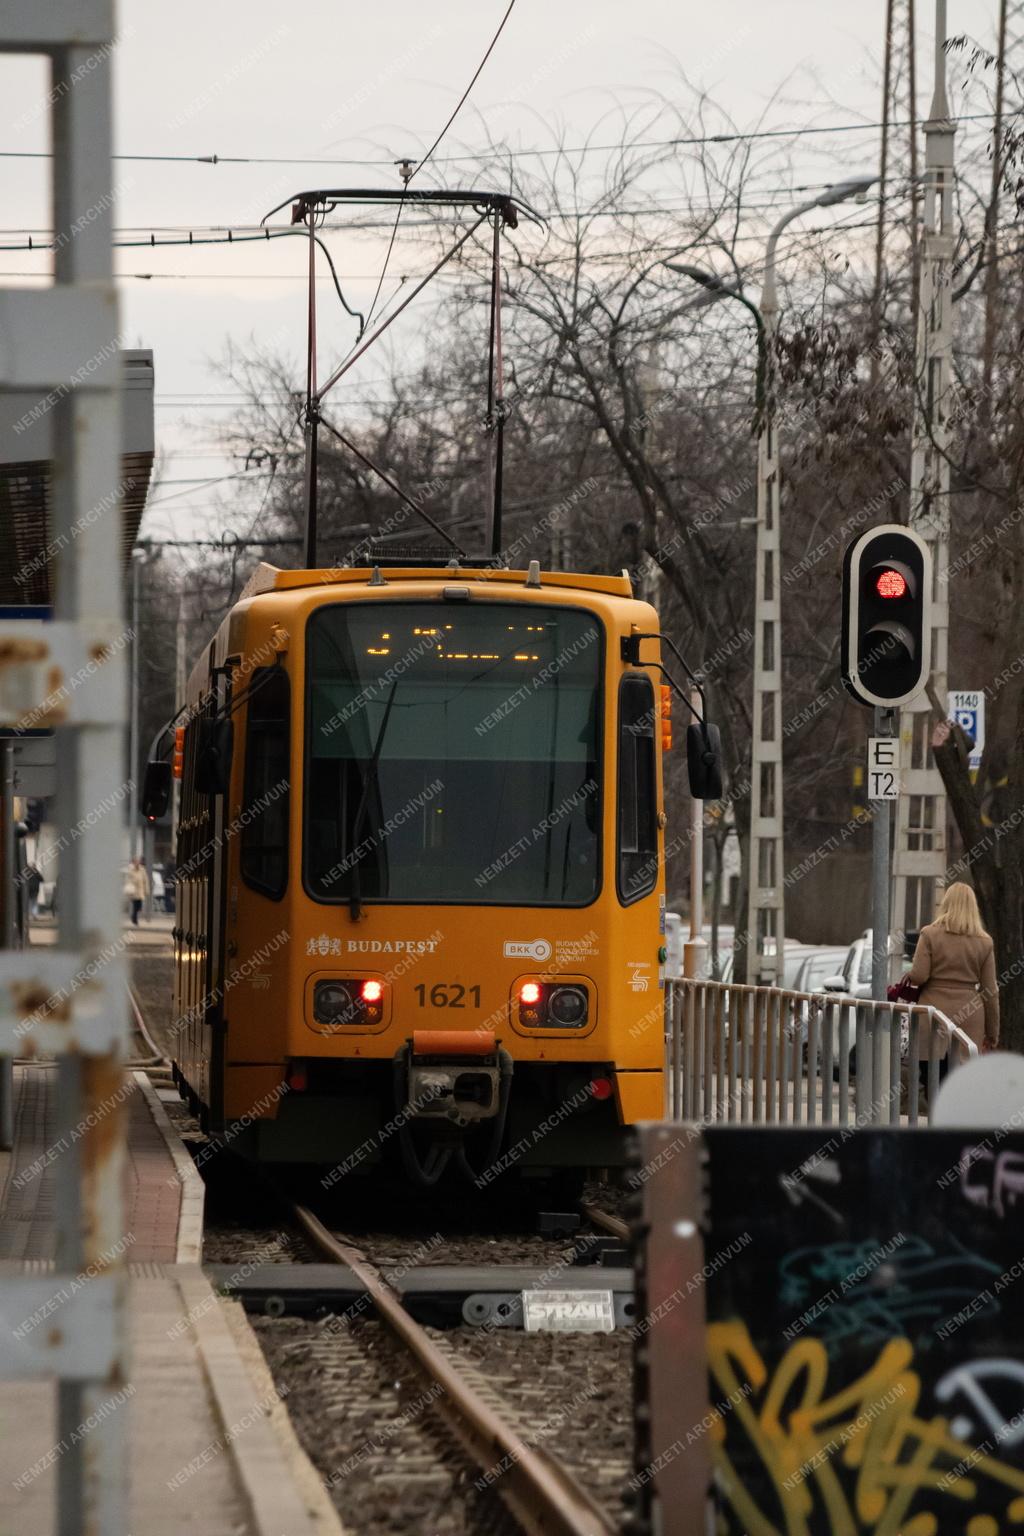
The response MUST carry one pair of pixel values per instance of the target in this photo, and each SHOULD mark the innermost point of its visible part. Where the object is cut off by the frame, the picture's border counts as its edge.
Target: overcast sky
(353, 82)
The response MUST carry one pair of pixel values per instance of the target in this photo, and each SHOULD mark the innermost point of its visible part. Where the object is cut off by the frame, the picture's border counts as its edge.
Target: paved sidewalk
(154, 933)
(212, 1450)
(28, 1175)
(209, 1453)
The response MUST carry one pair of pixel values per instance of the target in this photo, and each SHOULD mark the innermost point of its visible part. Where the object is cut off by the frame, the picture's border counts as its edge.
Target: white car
(854, 978)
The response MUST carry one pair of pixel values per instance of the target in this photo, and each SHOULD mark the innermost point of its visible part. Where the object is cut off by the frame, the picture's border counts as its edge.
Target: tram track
(479, 1427)
(540, 1492)
(156, 1057)
(614, 1225)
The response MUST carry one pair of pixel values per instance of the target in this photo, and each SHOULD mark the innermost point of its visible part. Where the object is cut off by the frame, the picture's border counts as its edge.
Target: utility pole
(920, 858)
(762, 964)
(898, 156)
(766, 915)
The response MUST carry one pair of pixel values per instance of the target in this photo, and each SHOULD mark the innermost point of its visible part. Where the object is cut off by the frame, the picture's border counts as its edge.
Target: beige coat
(136, 882)
(957, 974)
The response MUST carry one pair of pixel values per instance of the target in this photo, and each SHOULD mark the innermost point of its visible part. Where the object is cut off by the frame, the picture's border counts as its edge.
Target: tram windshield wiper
(355, 904)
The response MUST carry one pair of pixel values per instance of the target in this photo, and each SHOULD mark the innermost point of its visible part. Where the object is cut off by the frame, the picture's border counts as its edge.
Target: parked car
(818, 965)
(794, 956)
(854, 978)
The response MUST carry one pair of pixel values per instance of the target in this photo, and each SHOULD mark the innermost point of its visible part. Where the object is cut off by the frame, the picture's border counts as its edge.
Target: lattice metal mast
(766, 916)
(898, 160)
(920, 860)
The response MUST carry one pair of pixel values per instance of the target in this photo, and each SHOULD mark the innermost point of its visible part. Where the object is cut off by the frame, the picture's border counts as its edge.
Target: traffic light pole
(881, 823)
(886, 629)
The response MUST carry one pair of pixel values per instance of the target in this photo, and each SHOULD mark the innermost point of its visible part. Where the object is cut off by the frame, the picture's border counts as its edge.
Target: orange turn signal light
(178, 764)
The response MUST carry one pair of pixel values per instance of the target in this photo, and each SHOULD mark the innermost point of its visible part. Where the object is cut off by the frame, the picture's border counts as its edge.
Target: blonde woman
(954, 965)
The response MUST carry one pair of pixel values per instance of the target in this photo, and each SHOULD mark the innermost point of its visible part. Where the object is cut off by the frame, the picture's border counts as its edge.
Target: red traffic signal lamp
(891, 582)
(886, 624)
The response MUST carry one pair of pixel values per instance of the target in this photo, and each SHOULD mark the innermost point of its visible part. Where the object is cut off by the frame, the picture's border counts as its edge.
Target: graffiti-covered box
(851, 1303)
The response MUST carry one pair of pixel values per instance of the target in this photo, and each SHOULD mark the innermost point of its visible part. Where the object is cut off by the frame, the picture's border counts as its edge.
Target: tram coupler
(453, 1075)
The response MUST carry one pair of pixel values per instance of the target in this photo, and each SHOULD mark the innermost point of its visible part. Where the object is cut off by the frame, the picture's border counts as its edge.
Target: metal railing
(764, 1055)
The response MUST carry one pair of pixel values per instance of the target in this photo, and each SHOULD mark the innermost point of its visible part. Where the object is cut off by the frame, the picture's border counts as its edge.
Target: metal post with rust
(93, 1470)
(61, 346)
(9, 926)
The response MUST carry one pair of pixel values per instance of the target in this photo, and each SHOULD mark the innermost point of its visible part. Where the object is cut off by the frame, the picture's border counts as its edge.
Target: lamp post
(766, 925)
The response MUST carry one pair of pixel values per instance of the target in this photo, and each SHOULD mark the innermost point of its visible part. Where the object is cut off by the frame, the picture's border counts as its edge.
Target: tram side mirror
(156, 790)
(704, 761)
(213, 764)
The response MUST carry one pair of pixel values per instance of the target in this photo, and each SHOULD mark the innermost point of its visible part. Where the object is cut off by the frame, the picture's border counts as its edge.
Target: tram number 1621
(450, 994)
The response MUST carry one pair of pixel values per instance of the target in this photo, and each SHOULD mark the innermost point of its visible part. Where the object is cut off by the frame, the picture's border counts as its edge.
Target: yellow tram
(420, 885)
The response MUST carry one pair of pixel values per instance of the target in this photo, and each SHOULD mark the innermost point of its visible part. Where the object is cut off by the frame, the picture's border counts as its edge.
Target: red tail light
(371, 991)
(529, 993)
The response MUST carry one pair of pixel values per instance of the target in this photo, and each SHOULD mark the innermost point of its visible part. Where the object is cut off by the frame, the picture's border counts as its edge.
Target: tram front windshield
(452, 753)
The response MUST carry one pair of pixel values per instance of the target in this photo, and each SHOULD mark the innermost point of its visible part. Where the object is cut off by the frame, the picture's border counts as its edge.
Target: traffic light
(887, 586)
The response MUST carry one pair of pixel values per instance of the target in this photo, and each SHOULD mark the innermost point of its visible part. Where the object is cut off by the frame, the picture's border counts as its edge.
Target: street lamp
(721, 290)
(766, 920)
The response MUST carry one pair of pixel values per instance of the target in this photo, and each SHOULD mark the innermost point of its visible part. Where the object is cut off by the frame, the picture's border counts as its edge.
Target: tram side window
(638, 824)
(264, 852)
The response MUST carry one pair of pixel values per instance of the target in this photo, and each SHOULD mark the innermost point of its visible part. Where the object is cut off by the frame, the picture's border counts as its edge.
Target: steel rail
(541, 1494)
(613, 1224)
(157, 1057)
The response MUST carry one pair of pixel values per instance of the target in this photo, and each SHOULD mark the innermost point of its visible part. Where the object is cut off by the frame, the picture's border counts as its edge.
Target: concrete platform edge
(304, 1473)
(193, 1194)
(267, 1461)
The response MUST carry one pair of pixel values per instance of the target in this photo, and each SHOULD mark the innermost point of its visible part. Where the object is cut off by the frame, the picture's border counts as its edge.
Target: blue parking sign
(967, 709)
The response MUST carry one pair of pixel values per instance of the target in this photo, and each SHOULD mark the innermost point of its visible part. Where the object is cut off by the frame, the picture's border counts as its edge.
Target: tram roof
(270, 578)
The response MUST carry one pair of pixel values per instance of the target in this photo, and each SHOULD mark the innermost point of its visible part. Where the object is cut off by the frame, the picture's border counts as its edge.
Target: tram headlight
(567, 1007)
(545, 1005)
(333, 1003)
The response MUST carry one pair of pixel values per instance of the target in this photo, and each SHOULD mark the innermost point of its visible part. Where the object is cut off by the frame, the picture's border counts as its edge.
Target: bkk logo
(532, 949)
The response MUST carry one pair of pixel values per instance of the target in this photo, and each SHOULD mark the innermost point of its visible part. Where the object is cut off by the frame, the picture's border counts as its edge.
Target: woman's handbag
(903, 991)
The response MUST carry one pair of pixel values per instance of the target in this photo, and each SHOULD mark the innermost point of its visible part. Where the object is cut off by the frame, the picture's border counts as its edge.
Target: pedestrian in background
(136, 887)
(955, 967)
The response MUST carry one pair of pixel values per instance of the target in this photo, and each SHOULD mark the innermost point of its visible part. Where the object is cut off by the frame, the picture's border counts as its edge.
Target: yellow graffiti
(871, 1428)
